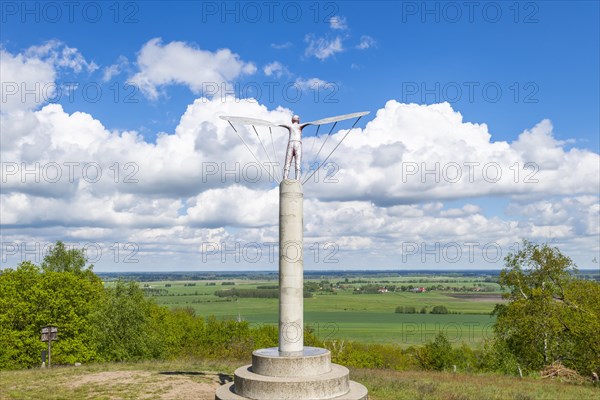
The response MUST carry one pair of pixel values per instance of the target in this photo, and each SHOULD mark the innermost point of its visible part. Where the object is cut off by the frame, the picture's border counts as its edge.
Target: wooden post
(49, 333)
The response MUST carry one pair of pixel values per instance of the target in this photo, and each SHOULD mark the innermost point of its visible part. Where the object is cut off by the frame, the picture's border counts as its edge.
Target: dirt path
(170, 385)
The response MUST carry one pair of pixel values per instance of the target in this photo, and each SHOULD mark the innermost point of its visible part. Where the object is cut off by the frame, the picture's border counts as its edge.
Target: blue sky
(554, 46)
(507, 65)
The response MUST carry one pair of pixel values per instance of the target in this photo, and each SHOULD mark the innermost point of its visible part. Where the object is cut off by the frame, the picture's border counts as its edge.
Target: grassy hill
(199, 379)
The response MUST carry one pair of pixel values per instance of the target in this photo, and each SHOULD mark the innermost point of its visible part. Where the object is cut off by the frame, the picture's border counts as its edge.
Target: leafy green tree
(551, 315)
(183, 333)
(20, 325)
(437, 354)
(580, 318)
(31, 298)
(439, 310)
(497, 357)
(123, 324)
(61, 259)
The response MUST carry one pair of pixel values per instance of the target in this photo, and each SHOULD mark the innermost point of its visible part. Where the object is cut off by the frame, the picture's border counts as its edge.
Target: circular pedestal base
(357, 392)
(325, 386)
(310, 375)
(312, 361)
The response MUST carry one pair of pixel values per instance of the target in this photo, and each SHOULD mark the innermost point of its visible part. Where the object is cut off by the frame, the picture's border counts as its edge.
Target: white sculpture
(291, 371)
(294, 147)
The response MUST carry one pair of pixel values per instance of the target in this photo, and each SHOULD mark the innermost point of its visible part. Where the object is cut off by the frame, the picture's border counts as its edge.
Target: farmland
(337, 312)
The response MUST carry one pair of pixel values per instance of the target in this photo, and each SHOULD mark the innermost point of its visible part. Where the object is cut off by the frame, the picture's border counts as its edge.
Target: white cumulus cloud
(389, 183)
(181, 63)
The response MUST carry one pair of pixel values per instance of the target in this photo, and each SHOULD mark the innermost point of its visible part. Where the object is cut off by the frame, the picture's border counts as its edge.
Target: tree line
(98, 324)
(550, 316)
(413, 310)
(254, 293)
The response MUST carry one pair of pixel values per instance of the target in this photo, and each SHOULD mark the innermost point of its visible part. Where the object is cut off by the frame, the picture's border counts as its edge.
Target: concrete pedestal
(291, 267)
(307, 376)
(291, 371)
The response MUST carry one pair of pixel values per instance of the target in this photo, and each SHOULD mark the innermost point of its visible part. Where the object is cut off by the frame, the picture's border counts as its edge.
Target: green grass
(368, 318)
(199, 379)
(410, 385)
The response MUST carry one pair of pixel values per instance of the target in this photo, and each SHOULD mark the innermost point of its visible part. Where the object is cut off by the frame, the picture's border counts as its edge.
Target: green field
(344, 315)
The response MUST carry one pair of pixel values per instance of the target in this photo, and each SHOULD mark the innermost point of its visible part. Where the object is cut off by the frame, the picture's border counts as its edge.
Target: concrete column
(291, 268)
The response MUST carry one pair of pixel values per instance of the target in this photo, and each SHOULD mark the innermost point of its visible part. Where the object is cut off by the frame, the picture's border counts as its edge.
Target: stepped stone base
(306, 376)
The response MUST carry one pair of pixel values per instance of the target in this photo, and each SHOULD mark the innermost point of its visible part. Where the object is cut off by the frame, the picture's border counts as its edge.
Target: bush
(436, 355)
(439, 310)
(59, 294)
(497, 357)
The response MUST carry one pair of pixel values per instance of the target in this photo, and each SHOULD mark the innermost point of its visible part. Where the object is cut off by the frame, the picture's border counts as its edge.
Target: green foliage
(368, 289)
(580, 316)
(61, 259)
(436, 355)
(31, 298)
(439, 310)
(551, 315)
(254, 293)
(497, 357)
(406, 310)
(122, 324)
(355, 354)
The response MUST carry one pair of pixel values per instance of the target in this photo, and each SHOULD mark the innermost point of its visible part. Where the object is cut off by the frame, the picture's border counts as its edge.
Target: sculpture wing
(247, 121)
(337, 118)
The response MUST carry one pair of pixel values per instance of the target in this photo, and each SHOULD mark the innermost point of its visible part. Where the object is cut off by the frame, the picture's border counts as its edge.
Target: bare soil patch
(170, 385)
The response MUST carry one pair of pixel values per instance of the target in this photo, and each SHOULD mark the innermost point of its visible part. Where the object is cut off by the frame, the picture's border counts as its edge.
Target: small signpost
(49, 334)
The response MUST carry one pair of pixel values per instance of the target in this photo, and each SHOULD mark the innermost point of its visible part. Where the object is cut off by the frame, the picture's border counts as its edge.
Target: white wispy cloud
(276, 69)
(366, 42)
(321, 47)
(310, 83)
(280, 46)
(60, 55)
(337, 22)
(115, 69)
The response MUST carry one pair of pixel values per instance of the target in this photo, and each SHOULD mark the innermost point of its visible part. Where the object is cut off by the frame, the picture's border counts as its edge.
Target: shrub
(439, 310)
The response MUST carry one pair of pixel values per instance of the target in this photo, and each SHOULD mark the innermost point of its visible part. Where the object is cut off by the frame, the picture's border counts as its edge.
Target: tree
(436, 355)
(61, 259)
(551, 315)
(31, 298)
(20, 344)
(439, 310)
(580, 317)
(122, 324)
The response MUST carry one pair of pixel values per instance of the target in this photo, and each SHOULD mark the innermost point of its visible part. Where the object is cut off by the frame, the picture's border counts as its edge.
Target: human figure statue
(294, 148)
